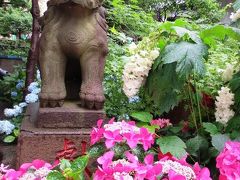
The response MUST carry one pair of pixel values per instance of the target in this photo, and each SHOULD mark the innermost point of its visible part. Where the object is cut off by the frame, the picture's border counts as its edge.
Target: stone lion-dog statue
(72, 52)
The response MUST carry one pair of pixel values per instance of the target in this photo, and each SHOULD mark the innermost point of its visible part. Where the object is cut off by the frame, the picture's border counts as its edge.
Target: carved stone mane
(90, 4)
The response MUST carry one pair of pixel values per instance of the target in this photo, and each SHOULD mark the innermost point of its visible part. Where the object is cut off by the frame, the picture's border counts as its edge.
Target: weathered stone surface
(8, 155)
(71, 115)
(43, 143)
(74, 35)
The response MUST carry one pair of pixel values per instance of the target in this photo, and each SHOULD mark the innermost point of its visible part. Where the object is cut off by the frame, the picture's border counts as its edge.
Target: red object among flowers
(207, 100)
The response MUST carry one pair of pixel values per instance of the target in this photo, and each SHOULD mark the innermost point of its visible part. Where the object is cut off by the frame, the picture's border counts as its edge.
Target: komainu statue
(73, 48)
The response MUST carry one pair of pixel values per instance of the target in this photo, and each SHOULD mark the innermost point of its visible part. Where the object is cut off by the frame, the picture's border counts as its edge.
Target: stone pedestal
(44, 141)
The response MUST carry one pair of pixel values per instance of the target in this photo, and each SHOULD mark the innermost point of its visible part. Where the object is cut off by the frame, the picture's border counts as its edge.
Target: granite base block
(43, 143)
(71, 115)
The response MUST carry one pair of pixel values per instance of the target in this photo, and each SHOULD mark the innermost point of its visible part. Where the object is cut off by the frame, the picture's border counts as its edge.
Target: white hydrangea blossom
(137, 68)
(33, 86)
(42, 6)
(223, 103)
(180, 169)
(235, 16)
(6, 127)
(13, 112)
(31, 98)
(228, 73)
(123, 127)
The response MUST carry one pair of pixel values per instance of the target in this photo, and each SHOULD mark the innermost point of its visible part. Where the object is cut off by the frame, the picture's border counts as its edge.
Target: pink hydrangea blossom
(161, 122)
(228, 161)
(36, 166)
(116, 132)
(97, 133)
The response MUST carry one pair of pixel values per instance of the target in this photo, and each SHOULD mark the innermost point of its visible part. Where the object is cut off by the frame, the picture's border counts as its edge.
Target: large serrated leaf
(172, 144)
(219, 140)
(192, 34)
(142, 116)
(236, 5)
(189, 57)
(158, 84)
(218, 32)
(211, 128)
(196, 144)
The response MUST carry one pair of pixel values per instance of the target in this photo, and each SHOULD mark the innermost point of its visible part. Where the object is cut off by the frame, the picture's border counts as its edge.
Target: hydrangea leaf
(218, 32)
(211, 128)
(96, 150)
(158, 86)
(192, 34)
(189, 57)
(234, 85)
(233, 124)
(172, 144)
(79, 164)
(236, 5)
(55, 175)
(219, 140)
(9, 139)
(142, 116)
(197, 144)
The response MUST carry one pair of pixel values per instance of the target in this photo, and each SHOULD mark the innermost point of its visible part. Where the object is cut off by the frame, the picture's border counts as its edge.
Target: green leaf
(64, 164)
(79, 164)
(219, 140)
(236, 5)
(211, 128)
(196, 144)
(9, 139)
(192, 34)
(158, 86)
(218, 32)
(172, 144)
(96, 150)
(16, 132)
(55, 175)
(189, 57)
(233, 124)
(142, 116)
(151, 128)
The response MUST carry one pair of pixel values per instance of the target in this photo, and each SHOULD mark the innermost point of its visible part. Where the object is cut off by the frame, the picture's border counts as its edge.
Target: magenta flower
(106, 159)
(112, 138)
(97, 133)
(132, 139)
(146, 138)
(202, 174)
(228, 161)
(36, 164)
(172, 175)
(161, 122)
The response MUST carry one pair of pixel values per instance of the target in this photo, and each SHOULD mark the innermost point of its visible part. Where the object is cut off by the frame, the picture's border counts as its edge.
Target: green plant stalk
(197, 98)
(192, 108)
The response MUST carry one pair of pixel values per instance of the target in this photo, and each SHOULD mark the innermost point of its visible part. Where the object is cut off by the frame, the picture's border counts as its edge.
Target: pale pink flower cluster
(228, 161)
(116, 132)
(224, 101)
(37, 170)
(162, 123)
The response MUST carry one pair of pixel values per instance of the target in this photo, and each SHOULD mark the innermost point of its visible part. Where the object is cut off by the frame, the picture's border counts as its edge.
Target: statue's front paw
(52, 100)
(92, 100)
